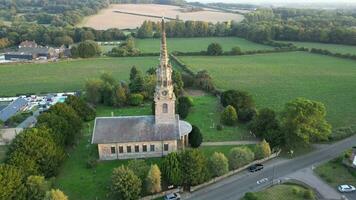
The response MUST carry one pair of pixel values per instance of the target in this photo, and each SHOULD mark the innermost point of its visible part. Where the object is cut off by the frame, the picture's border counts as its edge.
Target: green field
(65, 75)
(284, 192)
(335, 48)
(197, 44)
(277, 78)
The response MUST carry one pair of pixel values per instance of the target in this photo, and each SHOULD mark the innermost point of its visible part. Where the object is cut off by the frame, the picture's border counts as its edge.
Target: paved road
(236, 186)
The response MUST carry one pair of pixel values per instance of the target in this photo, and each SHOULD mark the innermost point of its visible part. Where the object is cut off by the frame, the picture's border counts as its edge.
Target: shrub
(125, 184)
(36, 187)
(153, 180)
(250, 196)
(219, 127)
(55, 195)
(11, 182)
(218, 164)
(235, 51)
(240, 156)
(229, 116)
(241, 101)
(184, 105)
(214, 49)
(91, 163)
(263, 150)
(247, 114)
(195, 137)
(308, 194)
(136, 99)
(139, 167)
(295, 190)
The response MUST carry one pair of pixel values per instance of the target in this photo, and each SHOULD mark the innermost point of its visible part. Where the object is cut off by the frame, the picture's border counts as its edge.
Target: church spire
(164, 54)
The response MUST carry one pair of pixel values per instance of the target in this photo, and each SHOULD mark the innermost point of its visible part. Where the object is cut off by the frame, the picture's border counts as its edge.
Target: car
(255, 167)
(346, 188)
(172, 196)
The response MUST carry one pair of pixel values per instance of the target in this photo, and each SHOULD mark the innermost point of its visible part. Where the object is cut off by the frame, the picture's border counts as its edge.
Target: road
(236, 186)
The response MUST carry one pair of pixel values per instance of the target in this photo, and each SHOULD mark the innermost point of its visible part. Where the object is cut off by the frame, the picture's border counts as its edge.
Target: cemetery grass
(274, 79)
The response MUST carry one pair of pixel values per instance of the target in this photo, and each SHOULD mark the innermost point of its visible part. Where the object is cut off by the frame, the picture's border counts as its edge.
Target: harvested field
(108, 18)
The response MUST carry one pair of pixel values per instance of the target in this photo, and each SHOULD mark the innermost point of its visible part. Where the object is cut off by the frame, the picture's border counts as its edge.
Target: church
(145, 136)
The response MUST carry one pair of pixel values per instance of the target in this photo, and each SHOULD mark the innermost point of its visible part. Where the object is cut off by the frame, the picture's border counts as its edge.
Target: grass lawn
(274, 79)
(206, 115)
(197, 44)
(335, 48)
(284, 191)
(335, 173)
(3, 150)
(82, 183)
(65, 75)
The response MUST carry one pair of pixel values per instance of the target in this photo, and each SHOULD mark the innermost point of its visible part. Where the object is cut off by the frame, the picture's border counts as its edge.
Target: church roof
(134, 129)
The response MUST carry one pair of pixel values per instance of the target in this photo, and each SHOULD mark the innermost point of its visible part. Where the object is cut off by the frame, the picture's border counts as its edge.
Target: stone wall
(105, 150)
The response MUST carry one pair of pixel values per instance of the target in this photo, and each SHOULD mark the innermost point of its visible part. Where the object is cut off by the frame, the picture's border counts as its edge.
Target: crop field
(198, 44)
(108, 18)
(335, 48)
(65, 75)
(274, 79)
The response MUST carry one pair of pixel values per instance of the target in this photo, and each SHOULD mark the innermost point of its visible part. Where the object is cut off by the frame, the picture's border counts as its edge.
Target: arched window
(165, 108)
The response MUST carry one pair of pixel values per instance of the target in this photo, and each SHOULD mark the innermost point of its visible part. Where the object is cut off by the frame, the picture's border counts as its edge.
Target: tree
(139, 167)
(83, 110)
(214, 49)
(241, 101)
(263, 150)
(146, 30)
(204, 81)
(11, 183)
(59, 126)
(229, 116)
(184, 105)
(194, 167)
(137, 81)
(88, 49)
(36, 187)
(304, 121)
(218, 164)
(63, 40)
(236, 50)
(120, 97)
(153, 180)
(55, 194)
(171, 169)
(136, 99)
(240, 156)
(93, 91)
(178, 83)
(195, 137)
(125, 184)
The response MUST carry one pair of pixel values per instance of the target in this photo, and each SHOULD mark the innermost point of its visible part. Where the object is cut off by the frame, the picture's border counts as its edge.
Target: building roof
(12, 109)
(135, 129)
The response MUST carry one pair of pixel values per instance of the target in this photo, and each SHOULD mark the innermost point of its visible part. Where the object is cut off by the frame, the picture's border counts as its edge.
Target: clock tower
(164, 96)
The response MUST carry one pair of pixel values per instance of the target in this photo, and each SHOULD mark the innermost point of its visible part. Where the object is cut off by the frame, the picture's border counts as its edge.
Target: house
(145, 136)
(13, 108)
(28, 44)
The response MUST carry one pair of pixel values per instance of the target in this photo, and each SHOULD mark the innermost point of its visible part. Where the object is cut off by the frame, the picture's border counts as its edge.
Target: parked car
(346, 188)
(255, 167)
(172, 196)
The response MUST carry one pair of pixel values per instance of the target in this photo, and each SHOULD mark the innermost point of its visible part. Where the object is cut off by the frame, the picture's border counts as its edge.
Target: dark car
(255, 167)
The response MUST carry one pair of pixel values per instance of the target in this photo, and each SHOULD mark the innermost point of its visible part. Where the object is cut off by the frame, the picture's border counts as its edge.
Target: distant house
(13, 108)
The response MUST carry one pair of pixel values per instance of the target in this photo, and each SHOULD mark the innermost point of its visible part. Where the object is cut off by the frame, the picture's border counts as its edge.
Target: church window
(152, 147)
(113, 150)
(121, 149)
(128, 149)
(137, 148)
(165, 108)
(144, 148)
(165, 147)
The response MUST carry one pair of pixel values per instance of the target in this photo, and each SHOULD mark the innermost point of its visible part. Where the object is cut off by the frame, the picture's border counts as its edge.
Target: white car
(172, 196)
(346, 188)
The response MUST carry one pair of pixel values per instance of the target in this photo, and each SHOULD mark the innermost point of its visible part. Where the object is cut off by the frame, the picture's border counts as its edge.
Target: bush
(88, 49)
(91, 163)
(11, 182)
(36, 187)
(240, 156)
(229, 116)
(195, 137)
(241, 101)
(153, 180)
(139, 167)
(295, 190)
(214, 49)
(184, 105)
(250, 196)
(125, 184)
(247, 114)
(55, 195)
(219, 127)
(136, 99)
(235, 51)
(263, 150)
(218, 164)
(308, 194)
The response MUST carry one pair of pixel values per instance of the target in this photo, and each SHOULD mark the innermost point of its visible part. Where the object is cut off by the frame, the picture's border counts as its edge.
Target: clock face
(164, 93)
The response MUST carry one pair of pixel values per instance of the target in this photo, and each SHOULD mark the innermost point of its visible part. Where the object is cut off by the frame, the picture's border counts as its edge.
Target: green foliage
(17, 119)
(125, 184)
(139, 167)
(55, 194)
(250, 196)
(229, 116)
(93, 91)
(83, 110)
(204, 81)
(178, 83)
(36, 144)
(59, 126)
(214, 49)
(146, 30)
(263, 150)
(235, 50)
(241, 101)
(194, 167)
(184, 105)
(136, 81)
(153, 180)
(136, 99)
(218, 164)
(240, 156)
(11, 183)
(36, 187)
(120, 98)
(126, 48)
(304, 122)
(308, 194)
(195, 137)
(88, 49)
(171, 169)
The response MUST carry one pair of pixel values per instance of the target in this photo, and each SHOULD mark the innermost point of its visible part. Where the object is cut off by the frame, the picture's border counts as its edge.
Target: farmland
(65, 75)
(274, 79)
(119, 20)
(335, 48)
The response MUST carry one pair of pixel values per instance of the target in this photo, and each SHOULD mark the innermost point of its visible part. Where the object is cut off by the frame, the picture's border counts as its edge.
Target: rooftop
(12, 109)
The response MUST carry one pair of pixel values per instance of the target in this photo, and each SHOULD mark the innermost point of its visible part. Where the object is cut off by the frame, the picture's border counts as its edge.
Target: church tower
(164, 96)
